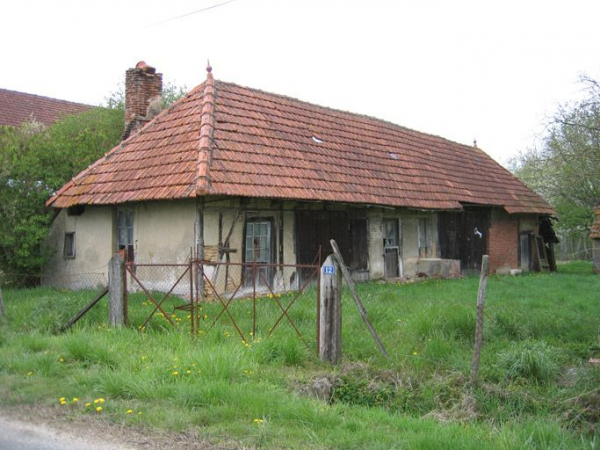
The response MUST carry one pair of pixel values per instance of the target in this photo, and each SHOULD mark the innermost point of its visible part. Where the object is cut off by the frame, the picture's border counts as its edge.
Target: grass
(536, 389)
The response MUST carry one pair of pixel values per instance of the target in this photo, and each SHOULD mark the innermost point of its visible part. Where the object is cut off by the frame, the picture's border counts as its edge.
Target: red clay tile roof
(225, 139)
(17, 107)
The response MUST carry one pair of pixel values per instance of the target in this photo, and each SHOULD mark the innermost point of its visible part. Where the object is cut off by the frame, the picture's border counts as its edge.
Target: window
(258, 249)
(424, 237)
(69, 246)
(125, 231)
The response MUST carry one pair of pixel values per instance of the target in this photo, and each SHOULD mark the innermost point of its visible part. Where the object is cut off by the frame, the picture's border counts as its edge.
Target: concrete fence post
(116, 309)
(330, 320)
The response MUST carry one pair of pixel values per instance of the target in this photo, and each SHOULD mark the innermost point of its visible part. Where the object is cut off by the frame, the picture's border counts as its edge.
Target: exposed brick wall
(503, 241)
(142, 84)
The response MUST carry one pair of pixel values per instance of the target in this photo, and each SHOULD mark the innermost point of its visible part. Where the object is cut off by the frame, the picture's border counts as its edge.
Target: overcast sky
(464, 70)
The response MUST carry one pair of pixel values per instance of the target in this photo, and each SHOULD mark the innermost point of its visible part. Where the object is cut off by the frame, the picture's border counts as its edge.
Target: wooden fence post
(330, 312)
(485, 263)
(2, 310)
(116, 310)
(359, 305)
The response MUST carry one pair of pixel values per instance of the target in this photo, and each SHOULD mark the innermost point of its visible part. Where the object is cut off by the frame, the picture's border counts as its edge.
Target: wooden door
(391, 248)
(464, 235)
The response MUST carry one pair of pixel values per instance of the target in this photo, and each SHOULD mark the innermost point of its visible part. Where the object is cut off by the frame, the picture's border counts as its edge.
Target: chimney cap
(145, 67)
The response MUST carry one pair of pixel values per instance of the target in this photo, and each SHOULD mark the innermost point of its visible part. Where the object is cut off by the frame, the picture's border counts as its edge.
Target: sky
(460, 69)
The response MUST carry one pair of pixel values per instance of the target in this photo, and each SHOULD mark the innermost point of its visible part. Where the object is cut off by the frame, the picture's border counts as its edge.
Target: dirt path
(28, 428)
(20, 435)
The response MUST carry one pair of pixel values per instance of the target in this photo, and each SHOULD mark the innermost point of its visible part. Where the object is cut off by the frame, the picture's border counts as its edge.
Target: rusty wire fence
(65, 281)
(48, 301)
(249, 299)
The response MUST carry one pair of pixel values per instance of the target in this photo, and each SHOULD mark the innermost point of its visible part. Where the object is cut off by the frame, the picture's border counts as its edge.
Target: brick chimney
(142, 86)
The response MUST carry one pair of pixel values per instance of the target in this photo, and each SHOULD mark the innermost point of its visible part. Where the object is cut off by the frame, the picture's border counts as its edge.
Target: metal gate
(198, 283)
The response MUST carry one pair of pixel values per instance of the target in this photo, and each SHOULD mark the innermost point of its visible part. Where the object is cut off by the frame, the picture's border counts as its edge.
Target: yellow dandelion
(139, 413)
(88, 404)
(415, 353)
(62, 399)
(29, 373)
(99, 409)
(175, 373)
(129, 411)
(188, 371)
(62, 360)
(75, 400)
(63, 402)
(257, 421)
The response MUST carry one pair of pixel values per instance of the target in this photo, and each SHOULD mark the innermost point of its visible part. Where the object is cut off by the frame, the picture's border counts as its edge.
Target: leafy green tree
(565, 169)
(36, 161)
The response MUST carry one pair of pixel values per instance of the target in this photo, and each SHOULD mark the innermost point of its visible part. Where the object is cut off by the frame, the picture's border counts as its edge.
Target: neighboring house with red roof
(293, 175)
(17, 107)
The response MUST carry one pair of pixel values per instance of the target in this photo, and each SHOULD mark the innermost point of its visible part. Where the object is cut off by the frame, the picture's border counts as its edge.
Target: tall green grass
(536, 388)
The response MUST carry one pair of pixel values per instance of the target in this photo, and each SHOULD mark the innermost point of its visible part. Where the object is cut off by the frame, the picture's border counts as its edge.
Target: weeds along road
(19, 435)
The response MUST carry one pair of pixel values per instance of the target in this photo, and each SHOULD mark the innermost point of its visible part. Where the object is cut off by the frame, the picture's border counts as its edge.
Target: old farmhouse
(291, 175)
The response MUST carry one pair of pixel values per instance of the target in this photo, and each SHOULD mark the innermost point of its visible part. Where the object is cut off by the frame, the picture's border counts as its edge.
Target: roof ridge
(355, 114)
(207, 127)
(45, 97)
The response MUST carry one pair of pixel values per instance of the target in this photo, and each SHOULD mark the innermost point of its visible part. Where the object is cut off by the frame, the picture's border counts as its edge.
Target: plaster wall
(408, 229)
(163, 232)
(93, 238)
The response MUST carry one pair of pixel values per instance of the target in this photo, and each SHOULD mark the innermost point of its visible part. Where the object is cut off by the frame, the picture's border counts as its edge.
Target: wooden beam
(485, 265)
(84, 310)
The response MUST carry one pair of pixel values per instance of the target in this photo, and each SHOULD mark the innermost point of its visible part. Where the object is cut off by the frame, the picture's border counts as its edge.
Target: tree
(36, 161)
(565, 169)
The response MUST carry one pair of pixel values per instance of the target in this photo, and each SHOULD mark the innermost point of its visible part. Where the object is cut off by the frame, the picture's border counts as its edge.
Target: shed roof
(17, 107)
(225, 139)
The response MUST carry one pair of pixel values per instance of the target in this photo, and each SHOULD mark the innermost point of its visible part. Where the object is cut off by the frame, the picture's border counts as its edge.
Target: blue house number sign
(329, 270)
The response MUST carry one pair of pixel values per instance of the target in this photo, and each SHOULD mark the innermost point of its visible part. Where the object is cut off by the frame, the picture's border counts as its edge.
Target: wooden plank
(330, 311)
(359, 305)
(485, 264)
(84, 310)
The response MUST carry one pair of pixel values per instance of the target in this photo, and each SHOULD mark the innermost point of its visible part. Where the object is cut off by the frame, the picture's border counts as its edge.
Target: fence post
(116, 310)
(330, 311)
(2, 310)
(485, 262)
(359, 305)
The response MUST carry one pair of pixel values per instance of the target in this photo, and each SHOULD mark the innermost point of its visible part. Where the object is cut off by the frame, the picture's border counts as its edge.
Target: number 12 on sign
(329, 270)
